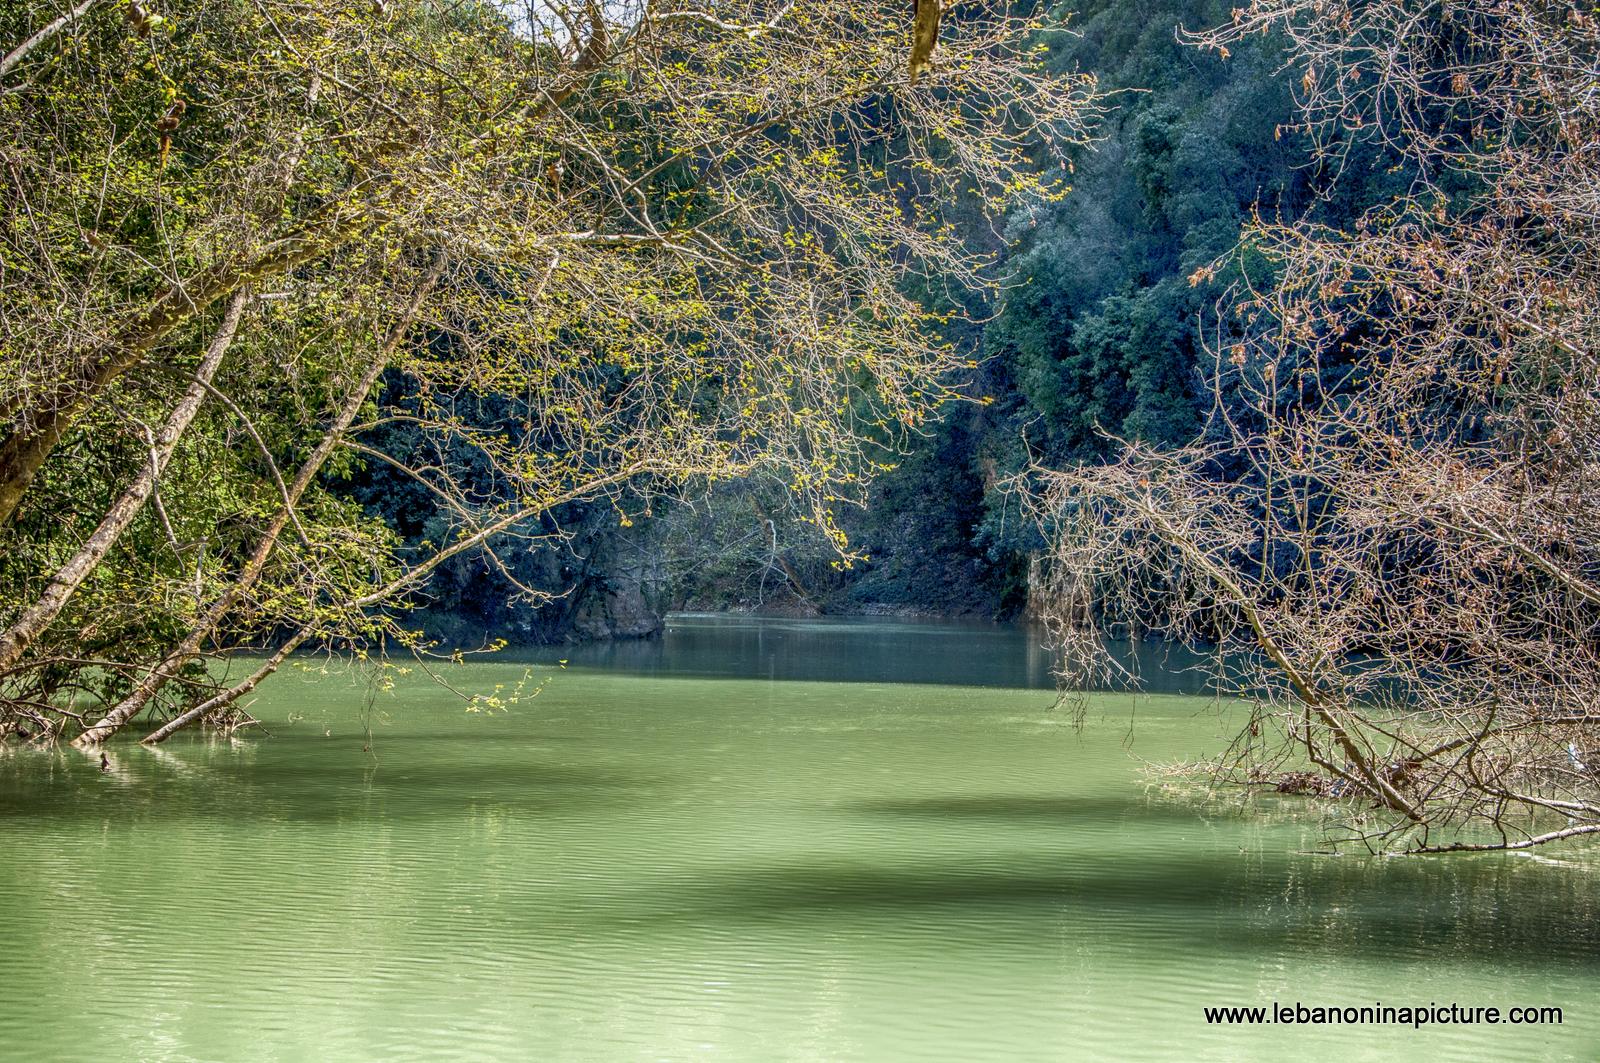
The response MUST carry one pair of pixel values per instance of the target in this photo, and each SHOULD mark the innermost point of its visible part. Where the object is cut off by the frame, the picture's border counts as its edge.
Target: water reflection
(866, 650)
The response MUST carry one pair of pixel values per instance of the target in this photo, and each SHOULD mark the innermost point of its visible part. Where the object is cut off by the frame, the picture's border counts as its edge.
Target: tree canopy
(584, 248)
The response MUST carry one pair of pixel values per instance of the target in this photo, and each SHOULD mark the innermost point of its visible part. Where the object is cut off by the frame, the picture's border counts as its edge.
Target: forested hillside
(1101, 332)
(1099, 336)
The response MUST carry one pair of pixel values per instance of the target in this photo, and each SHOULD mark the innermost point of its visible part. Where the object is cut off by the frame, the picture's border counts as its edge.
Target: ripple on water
(648, 863)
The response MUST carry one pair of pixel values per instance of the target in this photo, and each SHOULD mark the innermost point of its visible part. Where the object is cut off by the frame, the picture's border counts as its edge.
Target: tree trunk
(24, 451)
(20, 52)
(190, 646)
(14, 642)
(229, 696)
(402, 582)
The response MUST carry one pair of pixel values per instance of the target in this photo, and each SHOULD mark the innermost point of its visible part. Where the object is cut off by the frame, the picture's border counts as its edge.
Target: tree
(1387, 527)
(1097, 329)
(673, 243)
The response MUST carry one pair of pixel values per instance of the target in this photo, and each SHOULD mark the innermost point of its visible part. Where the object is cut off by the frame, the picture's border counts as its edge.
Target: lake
(756, 839)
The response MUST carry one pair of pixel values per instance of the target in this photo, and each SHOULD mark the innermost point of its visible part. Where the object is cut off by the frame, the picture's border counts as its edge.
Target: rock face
(606, 581)
(628, 597)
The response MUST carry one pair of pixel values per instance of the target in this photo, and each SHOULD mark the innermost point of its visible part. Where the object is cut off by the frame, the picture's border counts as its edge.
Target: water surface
(753, 840)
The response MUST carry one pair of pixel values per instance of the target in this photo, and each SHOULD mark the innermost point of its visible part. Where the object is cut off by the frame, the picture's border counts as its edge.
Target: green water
(754, 841)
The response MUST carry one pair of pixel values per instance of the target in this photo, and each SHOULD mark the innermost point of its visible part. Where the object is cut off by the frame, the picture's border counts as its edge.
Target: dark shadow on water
(1389, 910)
(857, 650)
(312, 786)
(1024, 808)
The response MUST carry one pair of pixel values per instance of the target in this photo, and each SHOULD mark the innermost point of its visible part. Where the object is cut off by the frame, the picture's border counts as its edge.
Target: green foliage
(1103, 336)
(1110, 322)
(595, 254)
(1099, 332)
